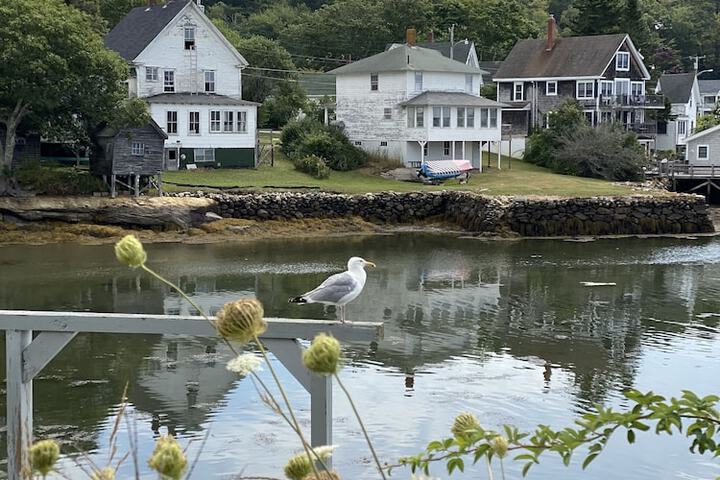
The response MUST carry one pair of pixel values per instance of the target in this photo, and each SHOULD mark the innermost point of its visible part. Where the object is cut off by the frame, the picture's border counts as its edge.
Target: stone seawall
(522, 216)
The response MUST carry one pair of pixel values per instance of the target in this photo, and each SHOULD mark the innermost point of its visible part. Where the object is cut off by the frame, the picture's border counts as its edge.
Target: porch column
(499, 147)
(463, 151)
(422, 144)
(453, 150)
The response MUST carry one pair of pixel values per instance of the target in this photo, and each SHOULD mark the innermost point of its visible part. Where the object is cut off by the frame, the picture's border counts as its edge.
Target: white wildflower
(244, 364)
(324, 451)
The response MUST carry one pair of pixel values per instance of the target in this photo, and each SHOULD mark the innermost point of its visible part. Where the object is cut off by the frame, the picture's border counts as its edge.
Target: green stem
(362, 426)
(287, 404)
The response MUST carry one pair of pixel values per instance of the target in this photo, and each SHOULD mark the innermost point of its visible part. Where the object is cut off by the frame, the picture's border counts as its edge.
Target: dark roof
(709, 86)
(491, 67)
(461, 51)
(139, 27)
(586, 56)
(317, 84)
(404, 58)
(677, 87)
(197, 99)
(451, 99)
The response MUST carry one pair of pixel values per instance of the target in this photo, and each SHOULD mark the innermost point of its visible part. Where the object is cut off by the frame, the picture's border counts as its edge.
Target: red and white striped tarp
(447, 167)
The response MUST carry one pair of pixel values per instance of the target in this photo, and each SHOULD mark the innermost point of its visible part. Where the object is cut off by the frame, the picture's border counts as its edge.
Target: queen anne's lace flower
(244, 364)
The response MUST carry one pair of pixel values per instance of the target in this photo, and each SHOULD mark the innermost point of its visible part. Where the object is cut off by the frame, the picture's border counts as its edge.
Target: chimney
(410, 36)
(431, 37)
(551, 32)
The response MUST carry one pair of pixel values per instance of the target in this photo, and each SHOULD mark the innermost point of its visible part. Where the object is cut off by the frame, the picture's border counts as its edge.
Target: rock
(212, 216)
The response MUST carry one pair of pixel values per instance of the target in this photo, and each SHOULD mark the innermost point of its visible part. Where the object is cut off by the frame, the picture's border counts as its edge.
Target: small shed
(703, 148)
(130, 157)
(27, 146)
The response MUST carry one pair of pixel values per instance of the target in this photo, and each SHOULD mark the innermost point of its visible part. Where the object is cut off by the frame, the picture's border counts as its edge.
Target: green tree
(54, 69)
(595, 17)
(272, 21)
(706, 121)
(284, 104)
(114, 10)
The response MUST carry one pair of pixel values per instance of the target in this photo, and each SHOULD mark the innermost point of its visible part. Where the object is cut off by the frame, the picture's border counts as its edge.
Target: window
(242, 122)
(383, 144)
(470, 119)
(446, 149)
(437, 113)
(138, 149)
(228, 123)
(709, 99)
(204, 155)
(374, 82)
(189, 37)
(416, 117)
(151, 74)
(387, 113)
(551, 88)
(210, 81)
(622, 61)
(194, 123)
(466, 117)
(493, 118)
(358, 143)
(446, 117)
(606, 88)
(518, 91)
(590, 116)
(703, 152)
(171, 122)
(418, 81)
(636, 89)
(484, 117)
(215, 121)
(585, 89)
(606, 117)
(468, 83)
(682, 127)
(169, 81)
(460, 117)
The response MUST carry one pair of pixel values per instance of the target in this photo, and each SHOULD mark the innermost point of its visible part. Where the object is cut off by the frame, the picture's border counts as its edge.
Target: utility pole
(452, 40)
(696, 59)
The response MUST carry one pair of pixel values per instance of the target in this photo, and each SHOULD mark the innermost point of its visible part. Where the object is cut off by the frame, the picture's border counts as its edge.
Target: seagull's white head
(359, 263)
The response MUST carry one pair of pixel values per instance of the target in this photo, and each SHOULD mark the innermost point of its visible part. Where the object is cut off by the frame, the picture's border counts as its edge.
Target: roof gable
(140, 27)
(571, 57)
(677, 87)
(405, 58)
(711, 87)
(714, 129)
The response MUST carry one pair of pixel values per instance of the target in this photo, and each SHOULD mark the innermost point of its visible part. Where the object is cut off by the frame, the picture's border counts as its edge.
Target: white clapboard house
(414, 104)
(191, 77)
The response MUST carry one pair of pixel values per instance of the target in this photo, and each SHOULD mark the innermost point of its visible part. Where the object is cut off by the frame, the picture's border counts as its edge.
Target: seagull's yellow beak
(370, 264)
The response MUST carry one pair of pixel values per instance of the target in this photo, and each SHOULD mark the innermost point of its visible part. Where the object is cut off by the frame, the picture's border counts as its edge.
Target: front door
(171, 159)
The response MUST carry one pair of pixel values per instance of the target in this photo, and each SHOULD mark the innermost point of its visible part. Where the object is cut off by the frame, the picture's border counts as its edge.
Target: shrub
(294, 131)
(48, 180)
(309, 137)
(604, 152)
(312, 165)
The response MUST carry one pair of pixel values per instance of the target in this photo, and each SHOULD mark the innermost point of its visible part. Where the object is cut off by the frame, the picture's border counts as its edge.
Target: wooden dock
(702, 179)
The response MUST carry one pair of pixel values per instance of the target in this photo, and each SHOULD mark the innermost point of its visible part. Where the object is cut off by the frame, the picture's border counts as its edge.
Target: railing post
(19, 404)
(320, 410)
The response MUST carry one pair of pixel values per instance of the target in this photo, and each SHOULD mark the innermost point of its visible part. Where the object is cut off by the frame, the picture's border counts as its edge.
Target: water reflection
(462, 319)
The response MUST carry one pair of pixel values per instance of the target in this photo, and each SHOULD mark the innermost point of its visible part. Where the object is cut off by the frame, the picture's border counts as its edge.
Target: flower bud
(499, 446)
(43, 456)
(107, 473)
(298, 467)
(241, 321)
(465, 425)
(323, 355)
(168, 459)
(130, 251)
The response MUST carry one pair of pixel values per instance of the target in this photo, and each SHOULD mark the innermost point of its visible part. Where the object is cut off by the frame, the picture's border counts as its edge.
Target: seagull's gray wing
(332, 290)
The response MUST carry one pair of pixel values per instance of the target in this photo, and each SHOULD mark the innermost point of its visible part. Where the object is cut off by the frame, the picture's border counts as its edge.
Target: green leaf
(631, 436)
(589, 459)
(454, 463)
(526, 468)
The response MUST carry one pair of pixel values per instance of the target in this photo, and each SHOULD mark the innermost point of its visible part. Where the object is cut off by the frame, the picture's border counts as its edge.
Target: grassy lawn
(522, 179)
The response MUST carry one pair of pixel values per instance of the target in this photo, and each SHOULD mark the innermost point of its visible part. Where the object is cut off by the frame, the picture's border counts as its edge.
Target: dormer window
(622, 61)
(189, 38)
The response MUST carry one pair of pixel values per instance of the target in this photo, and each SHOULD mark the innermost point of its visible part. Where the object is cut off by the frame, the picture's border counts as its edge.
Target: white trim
(703, 133)
(635, 82)
(634, 51)
(618, 55)
(541, 79)
(547, 89)
(514, 92)
(577, 89)
(612, 86)
(697, 155)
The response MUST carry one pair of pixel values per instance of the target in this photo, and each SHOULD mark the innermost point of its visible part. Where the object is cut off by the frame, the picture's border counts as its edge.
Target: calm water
(503, 329)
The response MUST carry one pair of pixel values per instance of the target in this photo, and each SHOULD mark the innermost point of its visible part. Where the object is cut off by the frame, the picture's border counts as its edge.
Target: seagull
(339, 289)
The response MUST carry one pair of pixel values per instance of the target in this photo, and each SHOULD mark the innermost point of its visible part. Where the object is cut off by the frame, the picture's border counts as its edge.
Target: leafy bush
(606, 152)
(48, 180)
(309, 137)
(312, 165)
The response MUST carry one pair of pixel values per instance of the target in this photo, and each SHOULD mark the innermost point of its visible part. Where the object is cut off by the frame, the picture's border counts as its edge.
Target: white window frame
(437, 117)
(137, 149)
(469, 83)
(592, 113)
(493, 115)
(515, 96)
(228, 117)
(622, 66)
(207, 156)
(460, 118)
(635, 84)
(194, 124)
(242, 122)
(189, 37)
(446, 119)
(209, 78)
(585, 95)
(446, 149)
(152, 74)
(215, 121)
(608, 115)
(171, 118)
(682, 127)
(169, 81)
(484, 117)
(470, 117)
(387, 113)
(554, 91)
(707, 152)
(374, 82)
(604, 83)
(418, 81)
(711, 102)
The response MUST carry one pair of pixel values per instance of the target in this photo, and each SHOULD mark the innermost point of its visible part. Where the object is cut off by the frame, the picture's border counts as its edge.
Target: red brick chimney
(410, 36)
(551, 32)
